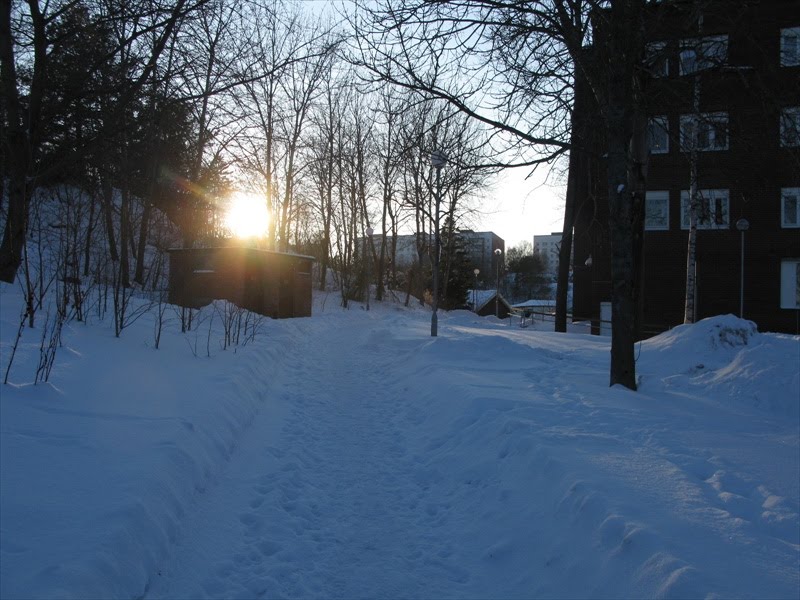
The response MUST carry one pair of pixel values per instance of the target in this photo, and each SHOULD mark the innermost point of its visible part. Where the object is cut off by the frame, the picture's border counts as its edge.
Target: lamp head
(438, 159)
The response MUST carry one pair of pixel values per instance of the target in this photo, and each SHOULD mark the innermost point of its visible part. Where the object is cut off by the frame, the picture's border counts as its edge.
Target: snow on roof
(483, 298)
(533, 303)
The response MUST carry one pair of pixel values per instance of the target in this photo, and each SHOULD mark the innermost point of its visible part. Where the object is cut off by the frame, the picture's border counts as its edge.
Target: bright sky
(523, 207)
(518, 207)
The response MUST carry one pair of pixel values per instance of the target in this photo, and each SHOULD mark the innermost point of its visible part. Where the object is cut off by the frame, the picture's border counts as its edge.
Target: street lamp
(438, 160)
(475, 291)
(498, 253)
(742, 225)
(366, 267)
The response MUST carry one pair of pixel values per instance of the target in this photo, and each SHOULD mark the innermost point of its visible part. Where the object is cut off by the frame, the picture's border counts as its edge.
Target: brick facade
(750, 158)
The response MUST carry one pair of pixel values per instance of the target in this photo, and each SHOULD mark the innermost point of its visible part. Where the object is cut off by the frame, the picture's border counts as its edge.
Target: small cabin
(488, 302)
(274, 284)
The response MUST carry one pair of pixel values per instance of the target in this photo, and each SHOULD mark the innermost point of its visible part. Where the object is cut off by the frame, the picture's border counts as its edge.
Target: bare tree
(510, 66)
(31, 111)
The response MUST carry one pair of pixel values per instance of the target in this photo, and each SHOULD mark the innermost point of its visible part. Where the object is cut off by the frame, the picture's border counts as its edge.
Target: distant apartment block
(479, 247)
(548, 247)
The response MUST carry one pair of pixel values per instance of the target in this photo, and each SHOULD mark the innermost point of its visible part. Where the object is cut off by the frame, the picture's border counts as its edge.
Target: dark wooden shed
(274, 284)
(486, 304)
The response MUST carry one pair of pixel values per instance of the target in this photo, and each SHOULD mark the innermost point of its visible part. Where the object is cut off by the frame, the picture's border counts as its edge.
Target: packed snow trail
(336, 479)
(472, 465)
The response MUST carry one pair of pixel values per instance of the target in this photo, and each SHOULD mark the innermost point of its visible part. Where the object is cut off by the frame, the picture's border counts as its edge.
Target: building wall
(753, 89)
(274, 284)
(549, 246)
(479, 247)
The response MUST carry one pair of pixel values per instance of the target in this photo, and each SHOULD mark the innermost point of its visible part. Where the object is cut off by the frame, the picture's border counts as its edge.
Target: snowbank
(351, 455)
(727, 358)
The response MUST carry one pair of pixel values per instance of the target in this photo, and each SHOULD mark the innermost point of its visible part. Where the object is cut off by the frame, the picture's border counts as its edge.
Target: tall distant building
(548, 247)
(479, 247)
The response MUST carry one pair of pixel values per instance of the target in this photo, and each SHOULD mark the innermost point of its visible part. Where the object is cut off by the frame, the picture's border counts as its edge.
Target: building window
(790, 47)
(656, 59)
(698, 54)
(790, 283)
(708, 131)
(790, 208)
(656, 211)
(790, 127)
(658, 135)
(713, 212)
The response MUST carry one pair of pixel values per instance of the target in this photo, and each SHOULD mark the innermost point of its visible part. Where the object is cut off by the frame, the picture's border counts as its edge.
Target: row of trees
(513, 66)
(150, 109)
(146, 106)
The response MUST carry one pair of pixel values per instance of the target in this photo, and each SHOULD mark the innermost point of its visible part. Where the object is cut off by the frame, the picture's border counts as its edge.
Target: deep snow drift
(351, 455)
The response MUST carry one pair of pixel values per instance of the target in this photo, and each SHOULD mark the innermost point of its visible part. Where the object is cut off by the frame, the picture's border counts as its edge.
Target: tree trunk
(108, 218)
(689, 312)
(637, 184)
(87, 244)
(623, 364)
(18, 138)
(124, 234)
(565, 251)
(144, 227)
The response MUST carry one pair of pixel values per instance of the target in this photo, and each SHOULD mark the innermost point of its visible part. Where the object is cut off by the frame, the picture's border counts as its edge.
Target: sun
(247, 215)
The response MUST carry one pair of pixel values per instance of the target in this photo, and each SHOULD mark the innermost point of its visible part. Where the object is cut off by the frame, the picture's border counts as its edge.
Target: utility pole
(438, 160)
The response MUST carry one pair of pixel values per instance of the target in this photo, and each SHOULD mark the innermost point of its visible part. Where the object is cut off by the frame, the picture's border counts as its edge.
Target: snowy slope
(350, 455)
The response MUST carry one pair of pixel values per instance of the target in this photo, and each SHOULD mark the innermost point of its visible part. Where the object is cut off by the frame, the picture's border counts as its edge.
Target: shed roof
(484, 297)
(259, 250)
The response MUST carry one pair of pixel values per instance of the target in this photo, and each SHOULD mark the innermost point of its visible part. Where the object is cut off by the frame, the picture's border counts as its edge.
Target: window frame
(656, 196)
(786, 193)
(790, 58)
(704, 52)
(790, 126)
(720, 198)
(790, 283)
(657, 59)
(710, 120)
(658, 122)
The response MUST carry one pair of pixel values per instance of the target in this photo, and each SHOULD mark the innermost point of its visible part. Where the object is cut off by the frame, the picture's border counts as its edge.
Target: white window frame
(789, 196)
(790, 127)
(656, 210)
(790, 47)
(698, 54)
(657, 60)
(712, 202)
(658, 126)
(790, 283)
(711, 125)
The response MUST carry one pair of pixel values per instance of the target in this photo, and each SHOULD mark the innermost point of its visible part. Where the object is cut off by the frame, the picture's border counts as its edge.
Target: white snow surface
(351, 455)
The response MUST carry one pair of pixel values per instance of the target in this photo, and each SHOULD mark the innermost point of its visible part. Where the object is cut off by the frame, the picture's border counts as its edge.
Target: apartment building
(479, 249)
(726, 83)
(548, 247)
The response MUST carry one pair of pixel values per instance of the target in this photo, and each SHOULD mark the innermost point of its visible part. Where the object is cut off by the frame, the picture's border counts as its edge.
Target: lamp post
(438, 160)
(498, 253)
(742, 225)
(367, 264)
(475, 291)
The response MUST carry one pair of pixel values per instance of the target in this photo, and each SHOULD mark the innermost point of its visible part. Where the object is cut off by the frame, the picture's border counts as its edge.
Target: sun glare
(247, 215)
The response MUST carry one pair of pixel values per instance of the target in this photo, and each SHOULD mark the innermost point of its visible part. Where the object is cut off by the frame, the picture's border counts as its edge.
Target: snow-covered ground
(350, 455)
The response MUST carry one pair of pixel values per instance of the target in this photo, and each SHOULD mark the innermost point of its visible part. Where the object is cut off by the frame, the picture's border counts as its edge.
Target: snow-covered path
(387, 464)
(331, 503)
